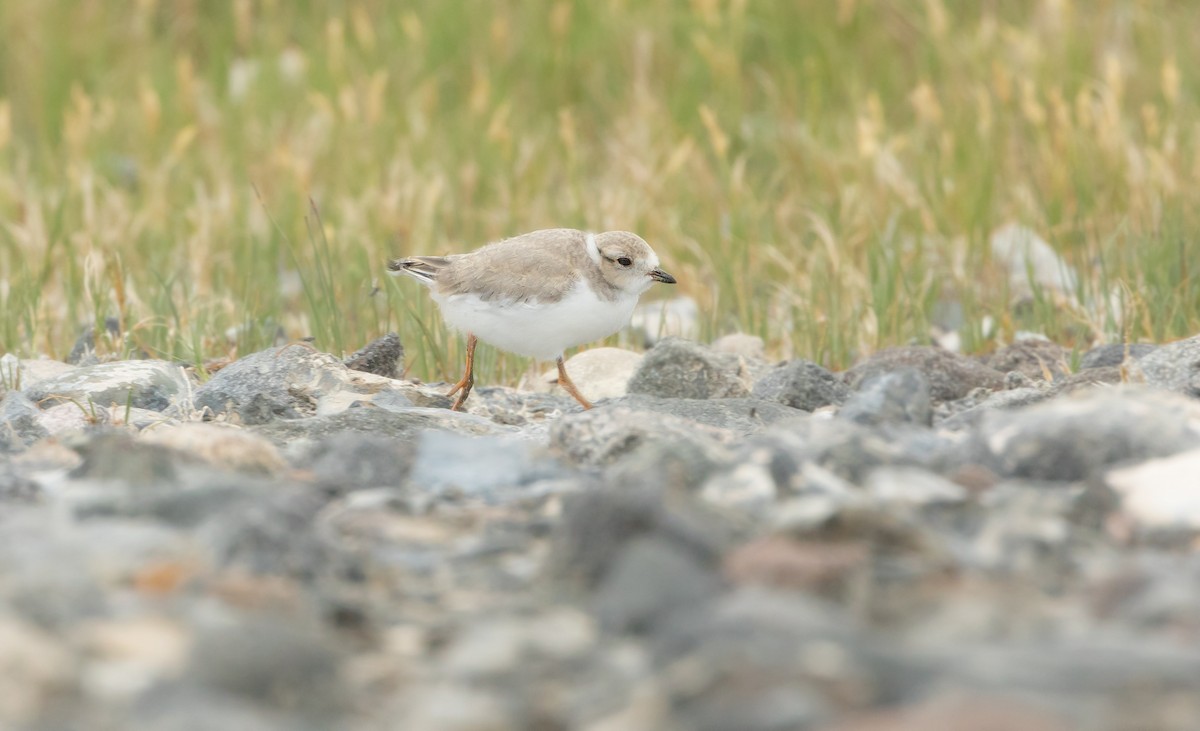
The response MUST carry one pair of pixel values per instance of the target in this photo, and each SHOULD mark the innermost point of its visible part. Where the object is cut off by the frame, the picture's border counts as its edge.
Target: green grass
(823, 174)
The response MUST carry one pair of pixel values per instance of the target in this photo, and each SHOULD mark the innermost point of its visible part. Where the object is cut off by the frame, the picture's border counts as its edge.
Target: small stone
(479, 466)
(598, 373)
(383, 357)
(951, 376)
(20, 423)
(899, 397)
(1174, 367)
(801, 384)
(1114, 354)
(84, 350)
(604, 434)
(682, 369)
(1161, 493)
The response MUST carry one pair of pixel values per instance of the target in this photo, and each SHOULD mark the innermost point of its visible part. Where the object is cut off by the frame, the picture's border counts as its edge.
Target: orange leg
(569, 386)
(468, 380)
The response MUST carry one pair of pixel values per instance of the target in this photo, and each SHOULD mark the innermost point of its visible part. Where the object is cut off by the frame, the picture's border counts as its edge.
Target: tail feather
(422, 268)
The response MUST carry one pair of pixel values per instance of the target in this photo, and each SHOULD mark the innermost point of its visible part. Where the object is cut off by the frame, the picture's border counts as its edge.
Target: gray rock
(601, 436)
(1016, 398)
(650, 582)
(144, 384)
(951, 376)
(899, 397)
(273, 535)
(19, 422)
(677, 368)
(1114, 354)
(383, 357)
(403, 425)
(739, 415)
(1074, 438)
(1174, 367)
(801, 384)
(478, 466)
(354, 460)
(1036, 358)
(295, 381)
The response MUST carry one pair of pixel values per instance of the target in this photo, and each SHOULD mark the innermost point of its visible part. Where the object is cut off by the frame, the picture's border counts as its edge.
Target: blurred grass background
(823, 174)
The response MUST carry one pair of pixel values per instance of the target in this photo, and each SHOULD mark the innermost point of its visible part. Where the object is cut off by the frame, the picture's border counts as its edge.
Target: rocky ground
(926, 541)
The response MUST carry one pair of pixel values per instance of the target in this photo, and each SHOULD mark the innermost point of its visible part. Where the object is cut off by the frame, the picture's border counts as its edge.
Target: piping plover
(539, 293)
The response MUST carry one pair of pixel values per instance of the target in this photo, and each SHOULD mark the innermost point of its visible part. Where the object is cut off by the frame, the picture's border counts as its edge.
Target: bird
(538, 294)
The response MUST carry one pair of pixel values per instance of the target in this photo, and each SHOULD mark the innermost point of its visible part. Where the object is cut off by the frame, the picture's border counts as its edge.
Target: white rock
(1031, 261)
(1161, 493)
(598, 373)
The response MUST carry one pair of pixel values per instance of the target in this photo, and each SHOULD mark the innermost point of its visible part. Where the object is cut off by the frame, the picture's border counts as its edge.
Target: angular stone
(682, 369)
(382, 357)
(801, 384)
(898, 397)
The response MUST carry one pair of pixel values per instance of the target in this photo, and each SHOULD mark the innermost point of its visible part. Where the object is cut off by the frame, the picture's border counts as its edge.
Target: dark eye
(624, 261)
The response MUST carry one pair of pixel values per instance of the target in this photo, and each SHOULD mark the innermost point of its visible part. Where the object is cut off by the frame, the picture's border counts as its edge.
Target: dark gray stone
(1075, 438)
(951, 376)
(83, 352)
(801, 384)
(676, 368)
(383, 357)
(1114, 354)
(899, 397)
(143, 384)
(19, 425)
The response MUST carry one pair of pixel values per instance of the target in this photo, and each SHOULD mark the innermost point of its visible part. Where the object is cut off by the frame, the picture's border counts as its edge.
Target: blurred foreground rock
(925, 541)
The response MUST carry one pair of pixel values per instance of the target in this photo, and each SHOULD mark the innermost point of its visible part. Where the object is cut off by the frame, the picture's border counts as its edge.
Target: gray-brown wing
(541, 266)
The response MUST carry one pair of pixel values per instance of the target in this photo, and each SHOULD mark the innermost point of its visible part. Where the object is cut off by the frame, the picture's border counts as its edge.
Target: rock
(382, 357)
(356, 460)
(84, 350)
(1033, 265)
(295, 382)
(69, 418)
(145, 384)
(829, 569)
(1114, 354)
(1174, 367)
(1013, 399)
(478, 466)
(951, 376)
(598, 373)
(676, 368)
(673, 318)
(38, 668)
(20, 424)
(750, 347)
(17, 374)
(651, 581)
(600, 436)
(404, 425)
(801, 384)
(912, 486)
(273, 535)
(898, 397)
(1077, 437)
(957, 711)
(740, 415)
(222, 447)
(1036, 358)
(1161, 493)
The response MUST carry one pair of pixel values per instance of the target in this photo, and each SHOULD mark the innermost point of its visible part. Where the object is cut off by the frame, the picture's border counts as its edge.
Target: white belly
(540, 330)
